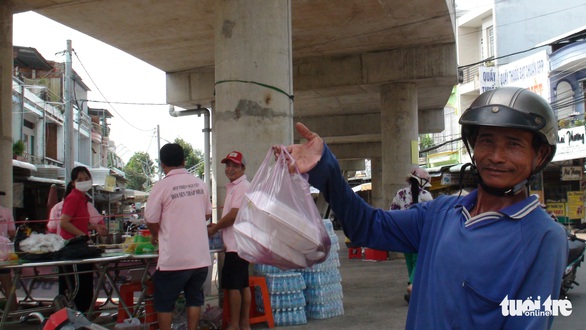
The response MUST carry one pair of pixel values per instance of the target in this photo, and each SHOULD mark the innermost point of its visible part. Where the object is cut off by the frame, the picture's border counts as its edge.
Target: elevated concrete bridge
(367, 75)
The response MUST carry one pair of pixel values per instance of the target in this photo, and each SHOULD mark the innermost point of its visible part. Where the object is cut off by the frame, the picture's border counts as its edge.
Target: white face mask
(83, 186)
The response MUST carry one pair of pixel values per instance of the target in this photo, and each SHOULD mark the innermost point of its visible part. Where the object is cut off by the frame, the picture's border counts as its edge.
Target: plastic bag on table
(77, 248)
(69, 319)
(278, 222)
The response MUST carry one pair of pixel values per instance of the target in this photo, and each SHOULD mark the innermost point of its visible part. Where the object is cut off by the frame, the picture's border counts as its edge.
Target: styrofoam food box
(287, 224)
(254, 236)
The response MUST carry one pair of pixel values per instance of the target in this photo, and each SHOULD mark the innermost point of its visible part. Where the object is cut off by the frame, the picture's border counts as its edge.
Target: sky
(116, 77)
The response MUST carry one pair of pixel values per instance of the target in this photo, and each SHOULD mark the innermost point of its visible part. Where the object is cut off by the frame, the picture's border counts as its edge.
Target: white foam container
(247, 234)
(282, 222)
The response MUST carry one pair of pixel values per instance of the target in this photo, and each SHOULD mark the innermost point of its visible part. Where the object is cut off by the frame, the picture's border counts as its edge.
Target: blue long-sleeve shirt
(466, 266)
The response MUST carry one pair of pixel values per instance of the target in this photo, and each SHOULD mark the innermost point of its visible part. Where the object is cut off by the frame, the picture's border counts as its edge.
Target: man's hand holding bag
(278, 222)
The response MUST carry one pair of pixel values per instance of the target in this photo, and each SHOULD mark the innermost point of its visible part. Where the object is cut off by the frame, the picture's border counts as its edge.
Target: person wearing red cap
(235, 272)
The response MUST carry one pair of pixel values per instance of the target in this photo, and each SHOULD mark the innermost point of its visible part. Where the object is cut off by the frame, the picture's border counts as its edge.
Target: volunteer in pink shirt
(176, 216)
(235, 271)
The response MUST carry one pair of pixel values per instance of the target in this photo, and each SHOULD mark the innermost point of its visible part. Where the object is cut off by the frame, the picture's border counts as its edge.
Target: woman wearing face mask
(75, 220)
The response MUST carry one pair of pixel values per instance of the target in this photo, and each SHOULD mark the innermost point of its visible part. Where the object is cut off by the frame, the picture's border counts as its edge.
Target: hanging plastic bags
(278, 222)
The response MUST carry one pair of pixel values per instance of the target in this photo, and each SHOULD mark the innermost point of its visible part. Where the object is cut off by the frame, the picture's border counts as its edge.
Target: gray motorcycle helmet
(512, 107)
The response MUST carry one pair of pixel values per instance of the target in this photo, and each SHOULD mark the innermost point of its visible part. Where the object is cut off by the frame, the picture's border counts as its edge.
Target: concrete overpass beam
(188, 89)
(405, 64)
(342, 125)
(362, 125)
(356, 150)
(431, 121)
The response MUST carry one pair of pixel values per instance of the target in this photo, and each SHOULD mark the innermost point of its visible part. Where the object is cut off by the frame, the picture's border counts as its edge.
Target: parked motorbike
(577, 248)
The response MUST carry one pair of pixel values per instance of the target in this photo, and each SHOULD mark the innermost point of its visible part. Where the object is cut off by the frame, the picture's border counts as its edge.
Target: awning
(46, 180)
(137, 195)
(438, 170)
(25, 165)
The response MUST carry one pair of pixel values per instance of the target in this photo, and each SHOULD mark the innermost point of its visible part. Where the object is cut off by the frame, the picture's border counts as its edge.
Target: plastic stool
(127, 295)
(354, 253)
(255, 315)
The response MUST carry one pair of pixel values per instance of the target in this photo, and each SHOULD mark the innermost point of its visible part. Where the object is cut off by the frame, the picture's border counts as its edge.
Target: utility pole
(67, 95)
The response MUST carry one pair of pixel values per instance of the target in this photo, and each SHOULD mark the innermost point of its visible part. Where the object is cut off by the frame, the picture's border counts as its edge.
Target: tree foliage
(193, 157)
(139, 171)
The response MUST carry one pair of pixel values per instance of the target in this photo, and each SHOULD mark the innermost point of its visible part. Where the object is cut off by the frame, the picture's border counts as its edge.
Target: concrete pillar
(398, 134)
(253, 108)
(376, 180)
(6, 103)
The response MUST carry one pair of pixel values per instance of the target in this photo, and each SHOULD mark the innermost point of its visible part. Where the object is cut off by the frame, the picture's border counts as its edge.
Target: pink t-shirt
(6, 221)
(179, 204)
(234, 193)
(54, 223)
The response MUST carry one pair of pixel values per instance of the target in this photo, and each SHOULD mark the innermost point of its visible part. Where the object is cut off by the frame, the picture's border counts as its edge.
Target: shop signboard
(530, 72)
(488, 78)
(558, 209)
(443, 158)
(570, 144)
(575, 204)
(571, 173)
(110, 183)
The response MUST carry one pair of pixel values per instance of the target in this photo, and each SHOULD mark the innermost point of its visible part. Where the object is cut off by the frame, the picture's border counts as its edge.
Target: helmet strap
(503, 192)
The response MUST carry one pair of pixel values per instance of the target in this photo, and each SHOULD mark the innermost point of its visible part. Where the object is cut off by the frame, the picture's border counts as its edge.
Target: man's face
(233, 171)
(505, 156)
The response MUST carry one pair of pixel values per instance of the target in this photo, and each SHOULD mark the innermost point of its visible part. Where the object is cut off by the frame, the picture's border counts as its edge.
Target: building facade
(38, 125)
(539, 46)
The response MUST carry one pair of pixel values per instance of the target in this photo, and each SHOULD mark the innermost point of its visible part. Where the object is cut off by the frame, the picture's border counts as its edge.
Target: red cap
(235, 157)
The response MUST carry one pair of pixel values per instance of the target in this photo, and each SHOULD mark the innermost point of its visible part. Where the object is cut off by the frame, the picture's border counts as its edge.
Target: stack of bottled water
(324, 288)
(286, 294)
(314, 292)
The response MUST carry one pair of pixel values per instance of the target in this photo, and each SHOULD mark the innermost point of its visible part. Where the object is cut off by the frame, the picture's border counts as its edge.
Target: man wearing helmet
(477, 252)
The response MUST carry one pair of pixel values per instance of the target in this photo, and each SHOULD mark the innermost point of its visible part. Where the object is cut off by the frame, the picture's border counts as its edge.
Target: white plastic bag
(278, 222)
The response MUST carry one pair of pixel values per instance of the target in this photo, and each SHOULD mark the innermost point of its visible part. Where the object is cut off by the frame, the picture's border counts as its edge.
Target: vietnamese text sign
(571, 173)
(570, 144)
(558, 209)
(575, 204)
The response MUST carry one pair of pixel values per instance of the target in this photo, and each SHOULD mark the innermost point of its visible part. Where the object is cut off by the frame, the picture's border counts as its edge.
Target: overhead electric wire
(510, 23)
(113, 109)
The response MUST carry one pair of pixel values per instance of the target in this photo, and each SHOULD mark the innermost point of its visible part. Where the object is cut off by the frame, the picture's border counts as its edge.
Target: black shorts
(235, 272)
(170, 284)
